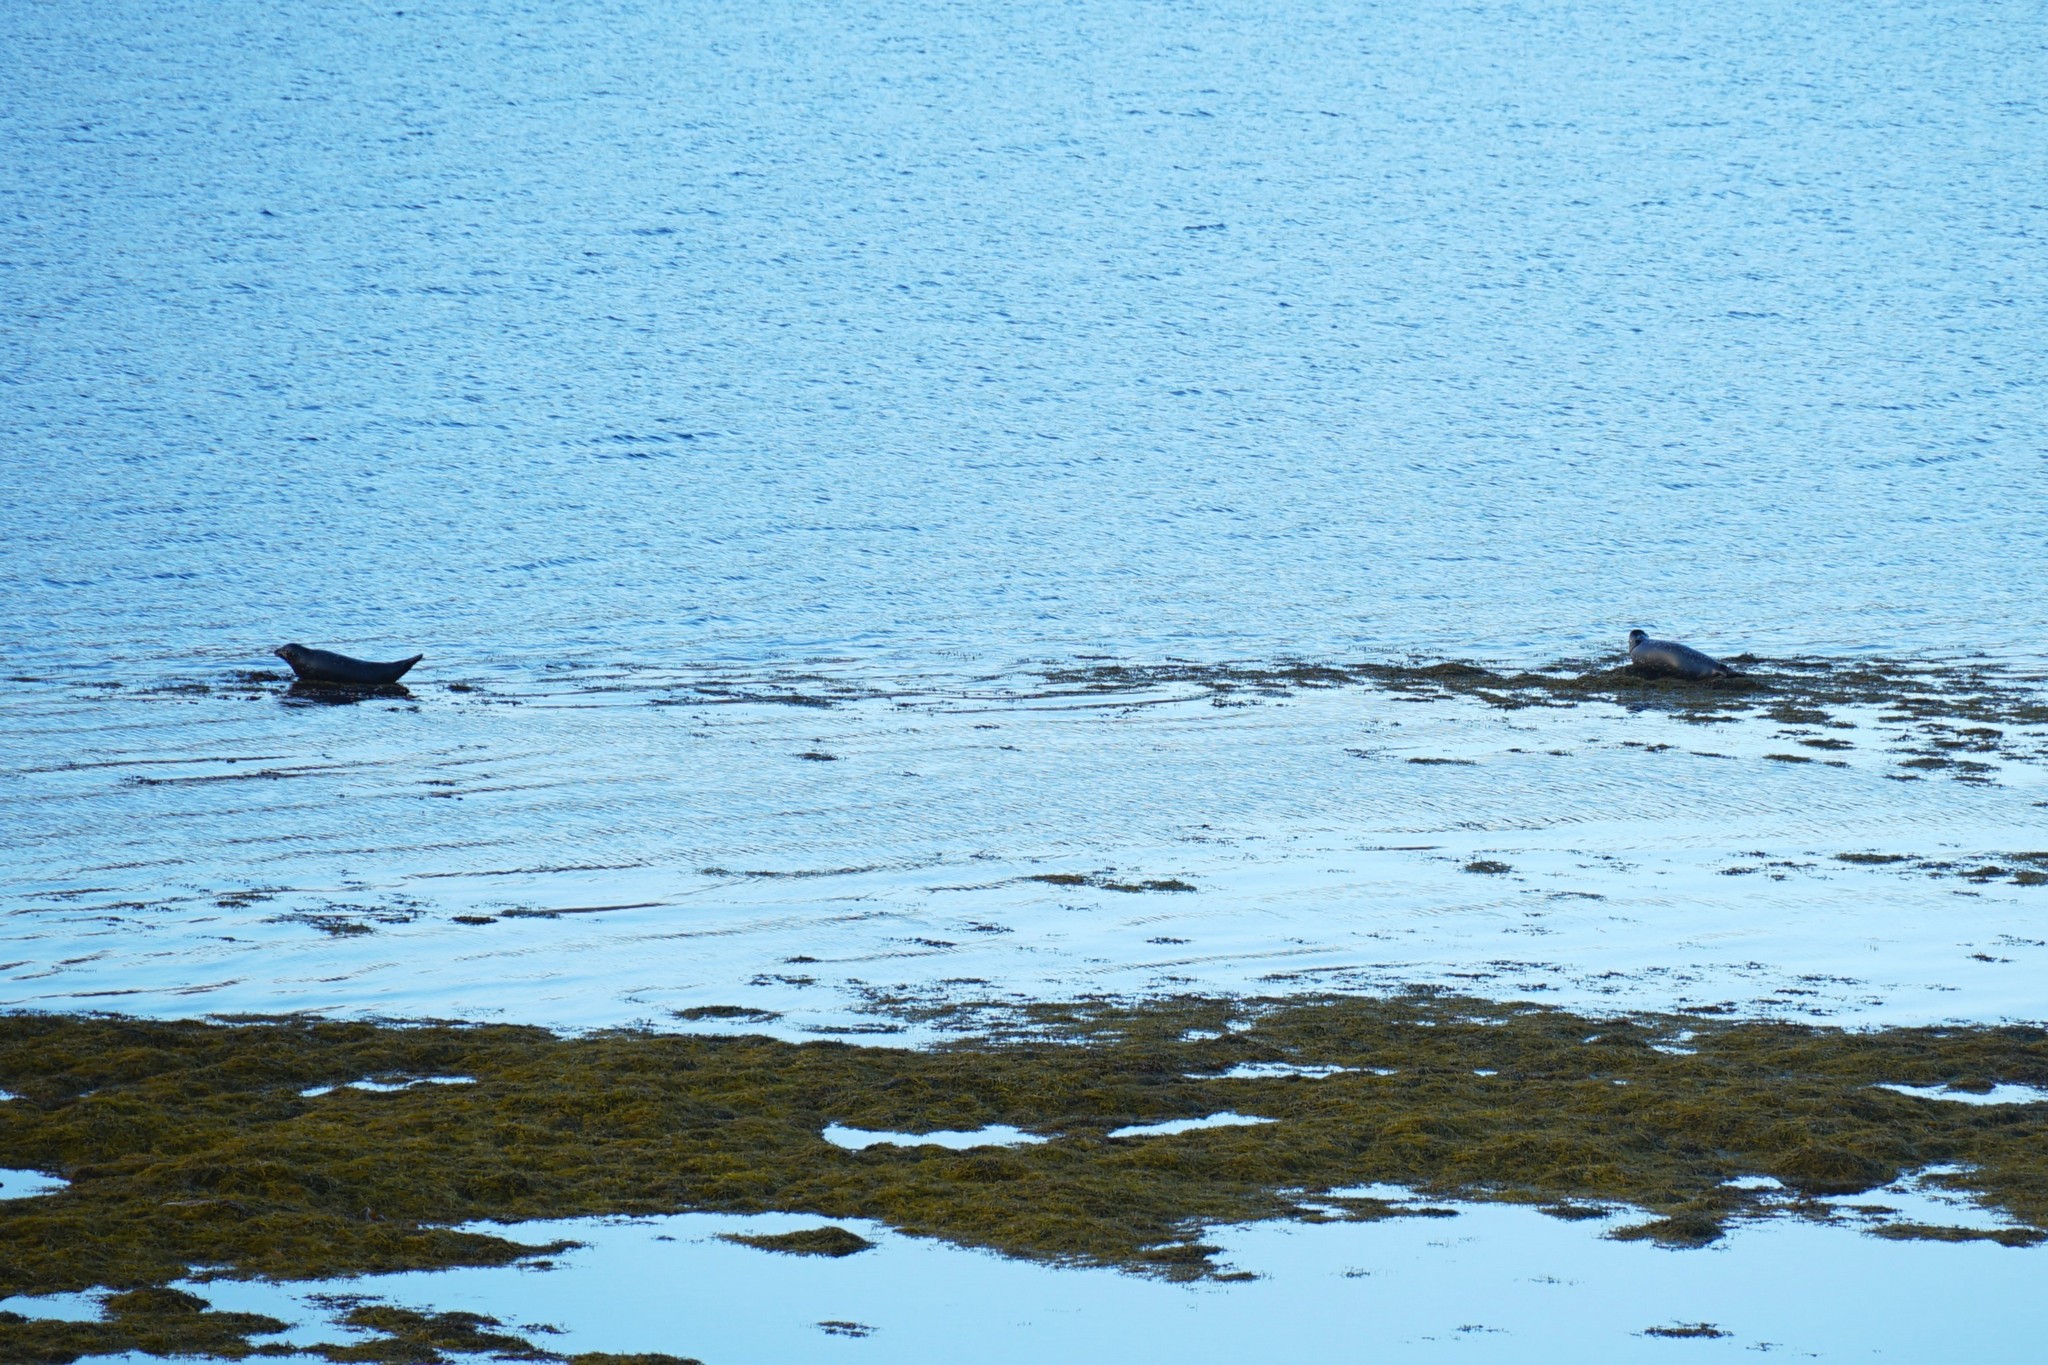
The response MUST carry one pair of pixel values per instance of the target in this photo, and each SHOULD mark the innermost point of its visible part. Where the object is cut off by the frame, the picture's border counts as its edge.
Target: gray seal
(321, 666)
(1667, 659)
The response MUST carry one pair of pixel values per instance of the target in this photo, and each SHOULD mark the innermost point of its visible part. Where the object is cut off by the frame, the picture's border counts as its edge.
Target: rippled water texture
(527, 333)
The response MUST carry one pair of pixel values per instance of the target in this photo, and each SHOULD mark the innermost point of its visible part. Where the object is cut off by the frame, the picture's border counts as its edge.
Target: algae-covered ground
(192, 1149)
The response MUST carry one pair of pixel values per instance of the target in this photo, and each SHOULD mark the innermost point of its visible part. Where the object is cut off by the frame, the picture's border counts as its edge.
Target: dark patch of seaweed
(1106, 882)
(826, 1241)
(1686, 1330)
(171, 1322)
(1794, 690)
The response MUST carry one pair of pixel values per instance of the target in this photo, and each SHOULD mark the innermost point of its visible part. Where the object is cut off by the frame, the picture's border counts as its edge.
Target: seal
(338, 670)
(1667, 659)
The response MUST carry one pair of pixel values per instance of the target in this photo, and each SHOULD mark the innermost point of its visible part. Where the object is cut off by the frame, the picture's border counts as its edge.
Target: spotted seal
(1667, 659)
(321, 666)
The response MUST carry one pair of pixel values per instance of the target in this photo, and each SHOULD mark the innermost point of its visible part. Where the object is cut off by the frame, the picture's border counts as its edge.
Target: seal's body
(321, 666)
(1666, 659)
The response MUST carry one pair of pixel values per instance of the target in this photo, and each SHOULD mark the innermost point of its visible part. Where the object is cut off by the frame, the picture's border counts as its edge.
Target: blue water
(924, 335)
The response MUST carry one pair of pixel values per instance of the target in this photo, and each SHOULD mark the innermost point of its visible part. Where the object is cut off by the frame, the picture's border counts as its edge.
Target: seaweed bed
(1957, 707)
(1917, 690)
(193, 1153)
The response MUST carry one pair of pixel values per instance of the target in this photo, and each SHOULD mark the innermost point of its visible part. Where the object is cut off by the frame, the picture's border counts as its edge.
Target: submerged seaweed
(1795, 691)
(194, 1146)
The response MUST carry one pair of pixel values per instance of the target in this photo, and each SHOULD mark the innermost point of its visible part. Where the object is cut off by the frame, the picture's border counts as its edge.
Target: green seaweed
(825, 1241)
(160, 1322)
(172, 1322)
(404, 1336)
(191, 1149)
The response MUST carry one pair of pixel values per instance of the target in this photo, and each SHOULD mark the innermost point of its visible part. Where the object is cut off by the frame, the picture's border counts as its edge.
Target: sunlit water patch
(1170, 1127)
(994, 1135)
(1254, 1071)
(385, 1087)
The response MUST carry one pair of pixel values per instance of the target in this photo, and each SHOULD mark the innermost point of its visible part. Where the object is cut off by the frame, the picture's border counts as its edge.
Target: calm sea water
(938, 334)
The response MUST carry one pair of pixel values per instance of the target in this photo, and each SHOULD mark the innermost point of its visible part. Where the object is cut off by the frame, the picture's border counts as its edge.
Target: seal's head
(288, 652)
(1635, 637)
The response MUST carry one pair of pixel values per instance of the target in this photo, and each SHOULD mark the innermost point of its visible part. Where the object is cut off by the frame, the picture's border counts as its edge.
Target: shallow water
(1174, 1126)
(663, 372)
(995, 1135)
(611, 849)
(1491, 1282)
(385, 1087)
(27, 1184)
